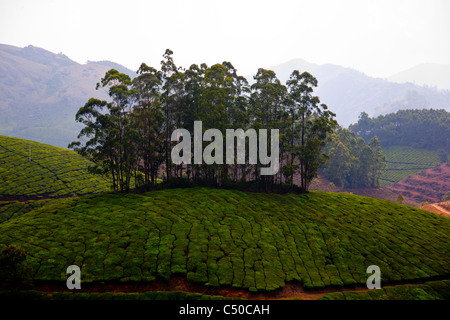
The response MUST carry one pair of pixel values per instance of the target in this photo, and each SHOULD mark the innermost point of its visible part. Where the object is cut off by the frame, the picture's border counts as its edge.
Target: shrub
(14, 270)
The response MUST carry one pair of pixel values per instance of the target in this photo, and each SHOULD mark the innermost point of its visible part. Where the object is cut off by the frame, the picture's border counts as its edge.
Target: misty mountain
(348, 92)
(40, 93)
(430, 74)
(113, 65)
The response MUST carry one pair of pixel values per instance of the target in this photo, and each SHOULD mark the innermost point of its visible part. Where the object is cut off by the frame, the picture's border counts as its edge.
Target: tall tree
(123, 99)
(266, 105)
(172, 102)
(362, 166)
(338, 164)
(312, 125)
(378, 161)
(132, 132)
(110, 138)
(148, 120)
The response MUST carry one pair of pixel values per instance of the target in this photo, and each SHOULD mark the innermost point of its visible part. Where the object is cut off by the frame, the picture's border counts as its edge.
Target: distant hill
(430, 74)
(321, 183)
(348, 92)
(32, 170)
(40, 93)
(417, 128)
(113, 65)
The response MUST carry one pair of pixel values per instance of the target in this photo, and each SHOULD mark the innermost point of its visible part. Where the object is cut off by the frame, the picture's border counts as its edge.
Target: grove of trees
(426, 128)
(129, 137)
(352, 162)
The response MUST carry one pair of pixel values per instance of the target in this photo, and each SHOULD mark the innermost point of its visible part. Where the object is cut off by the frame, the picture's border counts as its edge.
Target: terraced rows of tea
(33, 169)
(403, 161)
(13, 209)
(216, 237)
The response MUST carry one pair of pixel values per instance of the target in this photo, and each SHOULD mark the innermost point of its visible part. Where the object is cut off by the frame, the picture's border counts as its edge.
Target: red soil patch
(442, 208)
(429, 185)
(323, 184)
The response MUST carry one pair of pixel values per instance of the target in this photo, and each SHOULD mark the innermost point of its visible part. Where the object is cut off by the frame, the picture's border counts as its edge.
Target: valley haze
(40, 92)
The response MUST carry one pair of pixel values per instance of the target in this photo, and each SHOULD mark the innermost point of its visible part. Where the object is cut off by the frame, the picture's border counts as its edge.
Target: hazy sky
(376, 37)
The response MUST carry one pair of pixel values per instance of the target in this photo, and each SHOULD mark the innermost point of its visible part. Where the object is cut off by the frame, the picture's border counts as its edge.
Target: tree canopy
(425, 128)
(352, 163)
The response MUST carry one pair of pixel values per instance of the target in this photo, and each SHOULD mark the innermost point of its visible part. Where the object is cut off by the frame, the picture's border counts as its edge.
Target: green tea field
(33, 170)
(403, 161)
(230, 239)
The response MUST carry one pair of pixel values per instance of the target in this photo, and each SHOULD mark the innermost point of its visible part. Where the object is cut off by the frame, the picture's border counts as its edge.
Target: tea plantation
(33, 169)
(13, 209)
(403, 161)
(214, 237)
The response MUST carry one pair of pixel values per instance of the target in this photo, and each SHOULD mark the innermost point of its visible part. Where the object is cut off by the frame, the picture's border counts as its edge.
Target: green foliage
(133, 132)
(216, 237)
(109, 131)
(434, 290)
(422, 129)
(338, 165)
(352, 163)
(403, 161)
(311, 124)
(14, 270)
(14, 209)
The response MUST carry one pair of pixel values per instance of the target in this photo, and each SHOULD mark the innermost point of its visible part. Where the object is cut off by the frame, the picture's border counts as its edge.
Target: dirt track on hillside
(442, 208)
(292, 290)
(322, 184)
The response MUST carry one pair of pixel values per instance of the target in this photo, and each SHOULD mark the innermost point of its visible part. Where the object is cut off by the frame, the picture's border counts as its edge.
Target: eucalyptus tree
(237, 109)
(172, 98)
(311, 125)
(352, 161)
(107, 130)
(148, 120)
(339, 164)
(133, 131)
(266, 104)
(378, 162)
(215, 105)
